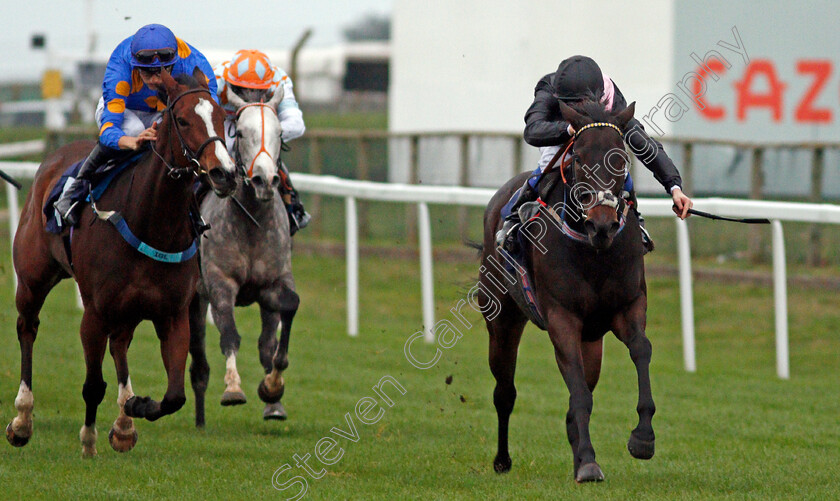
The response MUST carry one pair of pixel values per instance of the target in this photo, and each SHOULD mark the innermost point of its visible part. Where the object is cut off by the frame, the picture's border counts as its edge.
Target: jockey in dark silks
(578, 78)
(130, 108)
(252, 77)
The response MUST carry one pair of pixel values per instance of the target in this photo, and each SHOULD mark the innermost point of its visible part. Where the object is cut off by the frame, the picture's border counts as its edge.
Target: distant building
(721, 69)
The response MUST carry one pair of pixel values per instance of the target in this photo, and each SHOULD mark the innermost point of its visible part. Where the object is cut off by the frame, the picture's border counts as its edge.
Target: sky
(205, 24)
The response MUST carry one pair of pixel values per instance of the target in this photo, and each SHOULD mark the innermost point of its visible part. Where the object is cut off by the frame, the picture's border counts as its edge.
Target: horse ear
(625, 115)
(279, 93)
(570, 115)
(200, 77)
(233, 98)
(169, 84)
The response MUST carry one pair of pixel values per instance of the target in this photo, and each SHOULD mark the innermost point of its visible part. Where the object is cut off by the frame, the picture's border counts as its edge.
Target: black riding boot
(647, 242)
(506, 236)
(66, 207)
(298, 217)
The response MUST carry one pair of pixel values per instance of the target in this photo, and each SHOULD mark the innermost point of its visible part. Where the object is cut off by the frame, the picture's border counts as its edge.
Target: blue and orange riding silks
(122, 87)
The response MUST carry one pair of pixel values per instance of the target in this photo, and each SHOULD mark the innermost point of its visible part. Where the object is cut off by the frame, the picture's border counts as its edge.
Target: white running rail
(352, 191)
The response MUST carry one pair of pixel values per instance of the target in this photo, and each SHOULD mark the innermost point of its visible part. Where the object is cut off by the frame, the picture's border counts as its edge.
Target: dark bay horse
(120, 286)
(247, 258)
(588, 278)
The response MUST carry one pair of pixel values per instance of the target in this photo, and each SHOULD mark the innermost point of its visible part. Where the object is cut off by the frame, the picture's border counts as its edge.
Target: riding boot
(68, 208)
(506, 236)
(647, 241)
(298, 217)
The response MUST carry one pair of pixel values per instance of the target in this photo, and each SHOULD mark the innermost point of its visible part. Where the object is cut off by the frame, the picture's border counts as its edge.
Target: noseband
(239, 164)
(177, 172)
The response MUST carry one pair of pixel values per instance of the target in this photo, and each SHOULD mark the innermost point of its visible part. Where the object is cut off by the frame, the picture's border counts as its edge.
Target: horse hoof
(14, 439)
(589, 472)
(640, 449)
(268, 396)
(274, 411)
(502, 465)
(122, 441)
(135, 407)
(233, 398)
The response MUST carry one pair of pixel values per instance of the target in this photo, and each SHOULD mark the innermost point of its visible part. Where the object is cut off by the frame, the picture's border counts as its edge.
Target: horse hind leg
(505, 334)
(29, 300)
(273, 355)
(199, 368)
(123, 434)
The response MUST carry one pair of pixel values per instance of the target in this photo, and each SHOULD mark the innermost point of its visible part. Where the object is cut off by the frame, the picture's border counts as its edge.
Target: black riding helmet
(576, 78)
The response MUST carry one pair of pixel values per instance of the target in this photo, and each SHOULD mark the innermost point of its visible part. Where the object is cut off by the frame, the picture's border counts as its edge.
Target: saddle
(101, 179)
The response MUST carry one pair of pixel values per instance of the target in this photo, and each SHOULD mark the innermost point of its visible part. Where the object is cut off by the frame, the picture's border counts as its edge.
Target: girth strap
(119, 223)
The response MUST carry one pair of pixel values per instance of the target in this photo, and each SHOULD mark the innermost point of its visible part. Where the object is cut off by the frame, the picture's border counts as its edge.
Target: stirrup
(506, 236)
(67, 212)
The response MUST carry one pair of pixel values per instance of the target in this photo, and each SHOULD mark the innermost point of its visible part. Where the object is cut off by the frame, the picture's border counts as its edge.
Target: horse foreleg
(222, 300)
(94, 340)
(276, 360)
(564, 329)
(629, 327)
(592, 354)
(199, 368)
(174, 335)
(123, 435)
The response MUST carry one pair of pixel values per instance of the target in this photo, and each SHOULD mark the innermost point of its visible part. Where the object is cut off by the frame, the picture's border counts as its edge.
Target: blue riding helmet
(153, 46)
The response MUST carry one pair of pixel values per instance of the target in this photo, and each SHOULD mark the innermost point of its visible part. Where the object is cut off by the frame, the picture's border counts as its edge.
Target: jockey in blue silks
(578, 78)
(130, 107)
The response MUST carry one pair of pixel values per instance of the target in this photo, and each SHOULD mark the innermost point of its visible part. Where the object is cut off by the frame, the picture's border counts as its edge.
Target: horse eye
(182, 122)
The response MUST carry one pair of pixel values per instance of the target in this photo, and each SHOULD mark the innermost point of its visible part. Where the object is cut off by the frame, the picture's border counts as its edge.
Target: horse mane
(188, 80)
(592, 107)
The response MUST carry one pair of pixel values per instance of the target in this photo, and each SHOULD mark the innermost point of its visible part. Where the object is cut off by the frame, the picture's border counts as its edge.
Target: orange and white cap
(251, 69)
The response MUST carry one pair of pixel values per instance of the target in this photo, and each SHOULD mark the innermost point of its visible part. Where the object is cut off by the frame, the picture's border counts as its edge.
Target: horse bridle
(240, 165)
(602, 197)
(177, 172)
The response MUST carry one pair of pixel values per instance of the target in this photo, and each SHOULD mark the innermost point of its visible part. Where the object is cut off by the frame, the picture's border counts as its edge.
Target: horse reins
(177, 172)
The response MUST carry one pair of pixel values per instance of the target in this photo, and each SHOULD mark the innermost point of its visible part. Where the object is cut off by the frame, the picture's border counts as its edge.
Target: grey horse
(246, 259)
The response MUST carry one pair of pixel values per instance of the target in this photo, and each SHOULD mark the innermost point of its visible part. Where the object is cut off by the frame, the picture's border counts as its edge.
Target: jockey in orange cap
(253, 78)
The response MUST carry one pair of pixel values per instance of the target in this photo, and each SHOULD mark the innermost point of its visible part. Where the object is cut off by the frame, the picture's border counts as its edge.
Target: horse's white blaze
(260, 142)
(24, 402)
(205, 110)
(232, 380)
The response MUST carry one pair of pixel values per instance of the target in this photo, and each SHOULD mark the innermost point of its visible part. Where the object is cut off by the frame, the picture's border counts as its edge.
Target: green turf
(730, 431)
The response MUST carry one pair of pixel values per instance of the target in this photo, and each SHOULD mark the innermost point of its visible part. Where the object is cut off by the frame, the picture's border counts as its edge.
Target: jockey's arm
(543, 123)
(288, 111)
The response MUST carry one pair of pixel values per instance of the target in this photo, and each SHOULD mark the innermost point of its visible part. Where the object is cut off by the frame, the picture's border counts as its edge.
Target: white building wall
(471, 65)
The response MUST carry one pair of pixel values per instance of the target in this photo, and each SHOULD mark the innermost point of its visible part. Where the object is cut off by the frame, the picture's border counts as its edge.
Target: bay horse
(588, 278)
(120, 286)
(246, 259)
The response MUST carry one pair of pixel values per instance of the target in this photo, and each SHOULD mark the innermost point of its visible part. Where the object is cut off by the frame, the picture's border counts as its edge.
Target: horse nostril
(614, 227)
(258, 180)
(217, 176)
(590, 227)
(275, 181)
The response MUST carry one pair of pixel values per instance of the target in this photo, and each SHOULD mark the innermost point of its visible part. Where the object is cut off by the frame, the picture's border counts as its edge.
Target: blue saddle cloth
(101, 179)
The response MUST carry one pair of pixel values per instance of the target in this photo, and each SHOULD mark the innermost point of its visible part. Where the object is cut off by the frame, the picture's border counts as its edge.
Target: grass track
(730, 431)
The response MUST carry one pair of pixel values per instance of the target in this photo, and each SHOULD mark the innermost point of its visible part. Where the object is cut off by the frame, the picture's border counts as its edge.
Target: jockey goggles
(148, 56)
